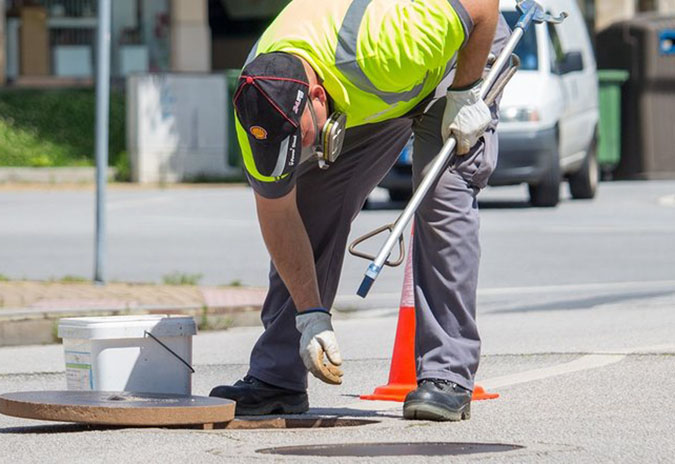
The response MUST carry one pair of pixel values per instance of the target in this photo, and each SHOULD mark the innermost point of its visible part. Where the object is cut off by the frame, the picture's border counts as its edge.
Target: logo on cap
(258, 132)
(298, 100)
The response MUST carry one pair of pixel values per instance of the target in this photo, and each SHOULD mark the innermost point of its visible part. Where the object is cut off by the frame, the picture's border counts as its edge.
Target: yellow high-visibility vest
(377, 59)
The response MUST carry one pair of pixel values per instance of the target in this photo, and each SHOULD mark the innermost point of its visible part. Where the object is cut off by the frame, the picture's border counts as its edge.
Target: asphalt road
(587, 384)
(576, 310)
(624, 235)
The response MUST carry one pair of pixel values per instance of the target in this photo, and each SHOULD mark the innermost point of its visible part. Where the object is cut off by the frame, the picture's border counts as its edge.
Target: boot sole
(277, 407)
(429, 411)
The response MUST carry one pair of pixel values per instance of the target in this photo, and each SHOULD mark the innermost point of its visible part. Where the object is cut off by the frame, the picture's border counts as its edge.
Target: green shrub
(55, 127)
(181, 278)
(71, 279)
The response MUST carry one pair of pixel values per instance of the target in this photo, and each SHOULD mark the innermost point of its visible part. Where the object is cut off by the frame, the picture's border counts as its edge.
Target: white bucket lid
(99, 328)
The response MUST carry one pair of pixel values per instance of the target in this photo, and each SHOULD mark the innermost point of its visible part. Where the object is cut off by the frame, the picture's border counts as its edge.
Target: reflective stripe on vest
(346, 57)
(347, 64)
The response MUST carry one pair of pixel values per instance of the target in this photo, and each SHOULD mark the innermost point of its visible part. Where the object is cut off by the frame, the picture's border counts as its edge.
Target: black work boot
(255, 397)
(438, 400)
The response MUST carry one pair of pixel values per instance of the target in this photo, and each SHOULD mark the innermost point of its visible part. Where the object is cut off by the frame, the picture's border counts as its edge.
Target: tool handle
(360, 254)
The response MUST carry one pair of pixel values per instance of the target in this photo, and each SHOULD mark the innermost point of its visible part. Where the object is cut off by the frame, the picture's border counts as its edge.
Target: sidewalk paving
(29, 311)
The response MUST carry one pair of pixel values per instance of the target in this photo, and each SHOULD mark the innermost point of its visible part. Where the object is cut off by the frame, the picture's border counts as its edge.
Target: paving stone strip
(29, 311)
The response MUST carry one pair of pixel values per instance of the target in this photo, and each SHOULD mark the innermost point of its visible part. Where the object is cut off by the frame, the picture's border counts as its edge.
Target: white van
(549, 111)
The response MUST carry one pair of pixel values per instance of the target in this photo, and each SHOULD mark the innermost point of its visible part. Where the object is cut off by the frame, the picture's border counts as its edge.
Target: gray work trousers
(446, 250)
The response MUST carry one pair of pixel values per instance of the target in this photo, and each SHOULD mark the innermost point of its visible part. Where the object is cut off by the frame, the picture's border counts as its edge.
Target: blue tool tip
(365, 286)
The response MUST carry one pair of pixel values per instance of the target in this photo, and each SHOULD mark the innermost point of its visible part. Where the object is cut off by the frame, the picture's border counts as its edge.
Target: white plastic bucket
(119, 353)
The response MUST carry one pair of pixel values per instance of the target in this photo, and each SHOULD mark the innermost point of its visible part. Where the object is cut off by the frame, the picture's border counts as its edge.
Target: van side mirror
(572, 62)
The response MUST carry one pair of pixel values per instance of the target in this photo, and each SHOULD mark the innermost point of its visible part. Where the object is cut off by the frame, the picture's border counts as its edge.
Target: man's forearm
(472, 58)
(289, 246)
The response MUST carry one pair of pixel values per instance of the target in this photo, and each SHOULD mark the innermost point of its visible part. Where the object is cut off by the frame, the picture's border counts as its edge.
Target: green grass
(181, 278)
(55, 127)
(4, 278)
(71, 279)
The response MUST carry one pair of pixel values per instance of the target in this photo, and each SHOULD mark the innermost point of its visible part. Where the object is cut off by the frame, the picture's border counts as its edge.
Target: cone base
(480, 394)
(392, 392)
(398, 392)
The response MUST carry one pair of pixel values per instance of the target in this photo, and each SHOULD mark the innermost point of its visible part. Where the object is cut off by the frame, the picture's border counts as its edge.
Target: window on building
(140, 40)
(647, 5)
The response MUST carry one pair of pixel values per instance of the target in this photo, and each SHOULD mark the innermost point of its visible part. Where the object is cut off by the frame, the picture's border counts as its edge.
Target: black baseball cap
(269, 101)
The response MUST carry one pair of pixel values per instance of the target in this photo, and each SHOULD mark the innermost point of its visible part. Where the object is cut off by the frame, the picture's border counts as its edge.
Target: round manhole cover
(117, 408)
(392, 449)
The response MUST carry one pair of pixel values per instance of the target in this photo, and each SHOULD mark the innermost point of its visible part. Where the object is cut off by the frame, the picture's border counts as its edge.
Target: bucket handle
(170, 350)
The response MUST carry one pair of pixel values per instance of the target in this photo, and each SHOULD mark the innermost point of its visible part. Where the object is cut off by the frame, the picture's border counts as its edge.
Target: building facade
(54, 41)
(602, 13)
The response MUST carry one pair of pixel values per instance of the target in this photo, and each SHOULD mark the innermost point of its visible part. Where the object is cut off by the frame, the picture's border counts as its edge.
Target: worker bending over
(328, 97)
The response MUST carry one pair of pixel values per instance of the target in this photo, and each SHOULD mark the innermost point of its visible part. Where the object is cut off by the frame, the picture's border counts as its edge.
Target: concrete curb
(36, 326)
(64, 175)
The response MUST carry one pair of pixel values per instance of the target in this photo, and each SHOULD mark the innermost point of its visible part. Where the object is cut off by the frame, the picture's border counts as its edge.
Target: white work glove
(466, 117)
(317, 337)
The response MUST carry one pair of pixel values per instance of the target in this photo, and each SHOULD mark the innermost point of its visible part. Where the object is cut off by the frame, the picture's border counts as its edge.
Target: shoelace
(440, 383)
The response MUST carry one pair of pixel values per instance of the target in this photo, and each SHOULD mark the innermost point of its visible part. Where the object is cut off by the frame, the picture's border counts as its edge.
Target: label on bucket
(78, 370)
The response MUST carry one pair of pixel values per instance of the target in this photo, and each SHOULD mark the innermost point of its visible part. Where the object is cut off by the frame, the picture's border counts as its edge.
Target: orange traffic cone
(402, 373)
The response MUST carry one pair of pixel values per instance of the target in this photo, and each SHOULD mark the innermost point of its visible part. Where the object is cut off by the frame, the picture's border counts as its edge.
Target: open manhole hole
(293, 423)
(391, 449)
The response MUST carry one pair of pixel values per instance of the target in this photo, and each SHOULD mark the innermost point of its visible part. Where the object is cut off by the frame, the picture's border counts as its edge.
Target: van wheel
(546, 193)
(584, 182)
(400, 194)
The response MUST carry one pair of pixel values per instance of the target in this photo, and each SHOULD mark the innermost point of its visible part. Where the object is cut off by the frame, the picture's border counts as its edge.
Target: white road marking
(587, 362)
(352, 300)
(614, 229)
(602, 286)
(668, 200)
(591, 361)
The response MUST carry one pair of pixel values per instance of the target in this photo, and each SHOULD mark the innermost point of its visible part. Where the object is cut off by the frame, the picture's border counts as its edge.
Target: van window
(527, 48)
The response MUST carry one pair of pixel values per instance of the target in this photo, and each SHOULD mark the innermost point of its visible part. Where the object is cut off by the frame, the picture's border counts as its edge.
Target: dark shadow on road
(504, 204)
(57, 428)
(582, 303)
(482, 204)
(413, 449)
(349, 412)
(384, 205)
(314, 418)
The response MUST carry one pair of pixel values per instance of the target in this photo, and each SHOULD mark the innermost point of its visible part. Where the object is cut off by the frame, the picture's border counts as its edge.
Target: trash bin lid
(613, 76)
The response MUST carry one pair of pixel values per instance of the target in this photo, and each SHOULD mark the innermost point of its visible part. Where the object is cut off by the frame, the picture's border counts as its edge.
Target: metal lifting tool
(492, 86)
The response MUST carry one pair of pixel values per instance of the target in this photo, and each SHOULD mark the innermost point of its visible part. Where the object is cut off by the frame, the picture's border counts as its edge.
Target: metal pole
(102, 116)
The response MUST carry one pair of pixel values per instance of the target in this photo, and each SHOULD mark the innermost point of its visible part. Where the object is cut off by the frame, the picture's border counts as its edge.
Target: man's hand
(466, 117)
(317, 337)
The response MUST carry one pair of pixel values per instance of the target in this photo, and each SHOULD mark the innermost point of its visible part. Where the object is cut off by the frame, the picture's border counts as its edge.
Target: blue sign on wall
(667, 42)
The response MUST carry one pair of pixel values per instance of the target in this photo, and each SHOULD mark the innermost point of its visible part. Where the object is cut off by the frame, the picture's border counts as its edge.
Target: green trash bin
(609, 143)
(233, 152)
